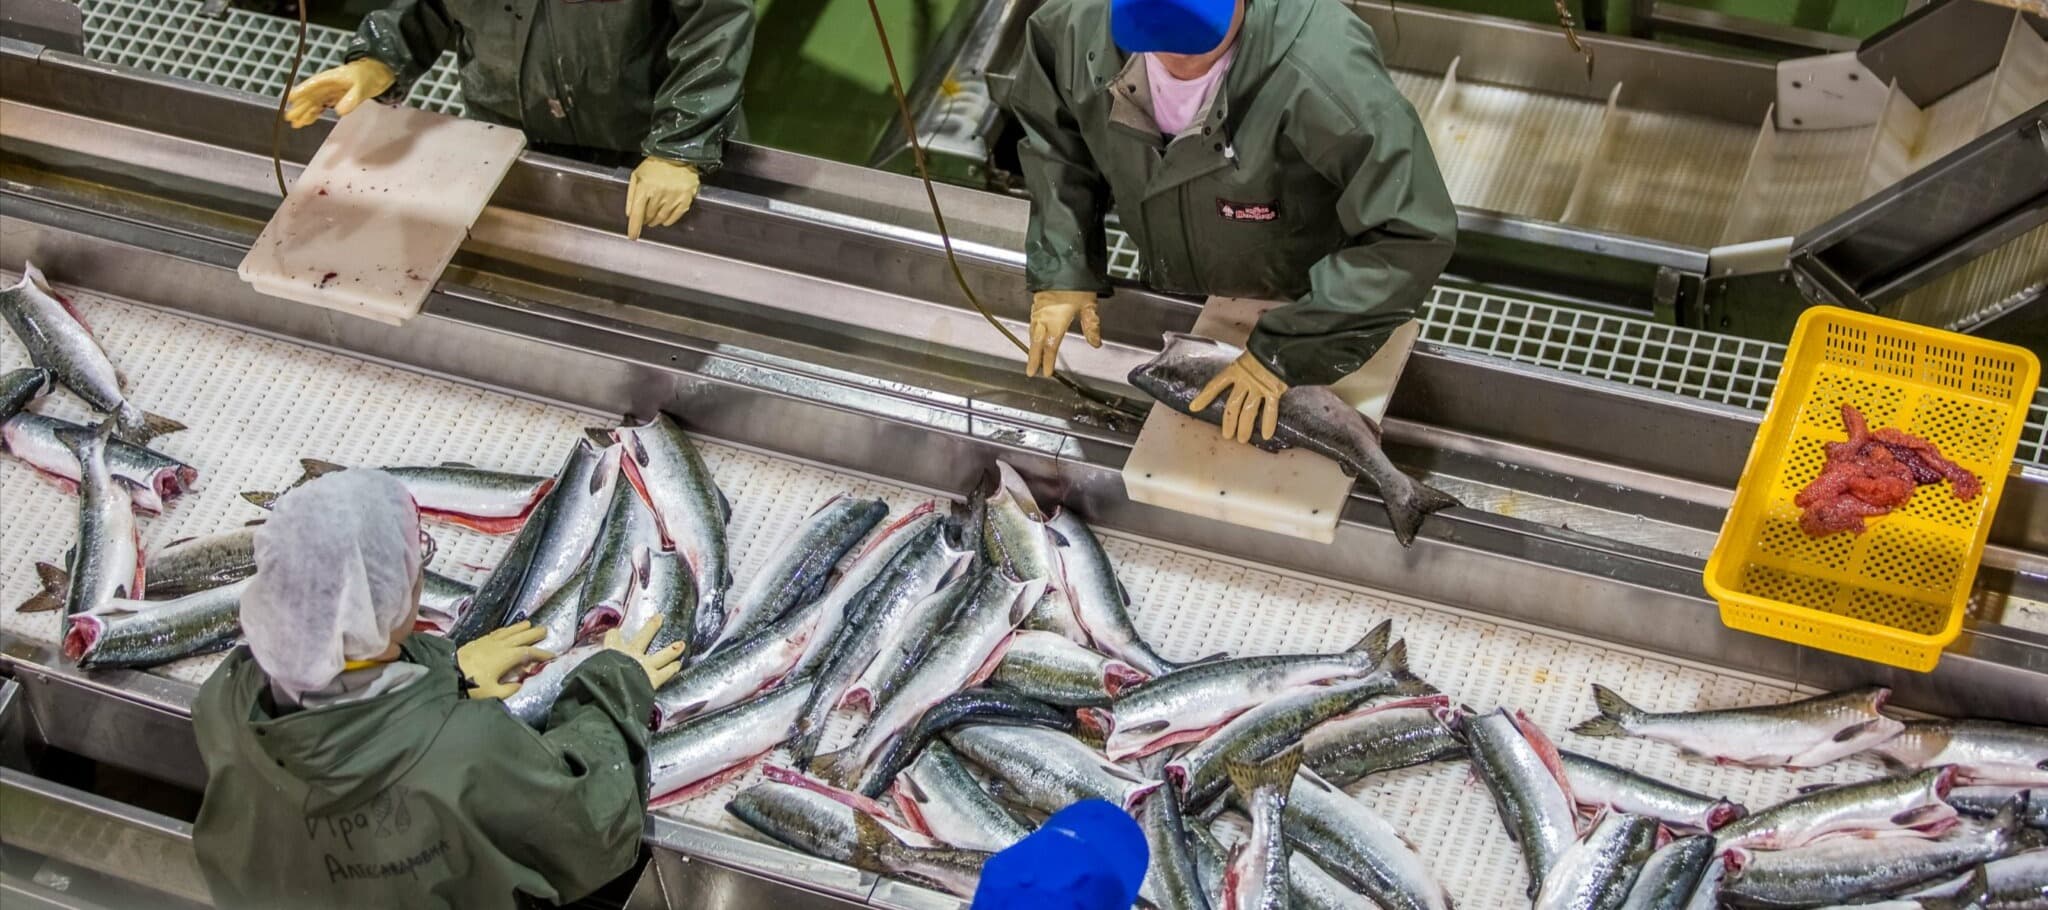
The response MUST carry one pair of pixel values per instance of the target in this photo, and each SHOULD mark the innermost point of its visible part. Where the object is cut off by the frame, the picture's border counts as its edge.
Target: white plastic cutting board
(382, 207)
(1183, 464)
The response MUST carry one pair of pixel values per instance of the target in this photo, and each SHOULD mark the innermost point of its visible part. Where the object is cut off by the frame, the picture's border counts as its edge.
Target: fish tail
(314, 468)
(1974, 893)
(1409, 503)
(150, 427)
(840, 769)
(262, 499)
(1275, 772)
(55, 582)
(81, 441)
(1615, 714)
(1375, 643)
(1395, 665)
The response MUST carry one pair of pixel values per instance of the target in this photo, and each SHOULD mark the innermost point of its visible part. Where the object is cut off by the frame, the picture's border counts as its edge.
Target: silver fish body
(1707, 894)
(905, 641)
(443, 600)
(58, 340)
(1525, 775)
(1189, 703)
(537, 693)
(961, 655)
(1597, 872)
(796, 572)
(1310, 417)
(1312, 888)
(1840, 870)
(156, 632)
(106, 562)
(665, 467)
(1101, 604)
(1015, 537)
(1348, 749)
(1050, 667)
(739, 671)
(1258, 877)
(197, 563)
(20, 387)
(1271, 727)
(1890, 805)
(488, 502)
(1981, 751)
(972, 706)
(1597, 783)
(696, 755)
(553, 546)
(1800, 734)
(918, 569)
(863, 572)
(939, 796)
(154, 479)
(1172, 878)
(1045, 770)
(817, 824)
(562, 615)
(2013, 883)
(1985, 801)
(628, 529)
(1671, 875)
(1355, 844)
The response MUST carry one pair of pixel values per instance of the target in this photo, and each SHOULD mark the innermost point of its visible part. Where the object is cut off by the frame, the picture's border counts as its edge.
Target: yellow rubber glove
(487, 660)
(662, 665)
(1052, 313)
(1254, 398)
(659, 193)
(343, 88)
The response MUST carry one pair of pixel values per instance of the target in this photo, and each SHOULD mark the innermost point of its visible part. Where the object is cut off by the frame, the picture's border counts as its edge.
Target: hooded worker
(351, 763)
(1252, 148)
(657, 80)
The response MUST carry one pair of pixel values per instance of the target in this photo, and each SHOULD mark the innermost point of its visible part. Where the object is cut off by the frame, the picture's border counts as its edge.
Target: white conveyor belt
(256, 405)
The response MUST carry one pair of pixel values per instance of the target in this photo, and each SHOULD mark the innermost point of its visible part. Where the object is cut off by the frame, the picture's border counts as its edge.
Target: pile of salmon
(1871, 473)
(985, 658)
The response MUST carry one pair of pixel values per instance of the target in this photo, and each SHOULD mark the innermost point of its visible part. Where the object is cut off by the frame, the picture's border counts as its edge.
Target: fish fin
(1973, 894)
(311, 468)
(599, 436)
(1147, 729)
(54, 579)
(1615, 712)
(458, 464)
(1856, 729)
(1276, 771)
(41, 602)
(1375, 642)
(74, 437)
(1921, 815)
(153, 426)
(1412, 502)
(262, 499)
(840, 769)
(724, 511)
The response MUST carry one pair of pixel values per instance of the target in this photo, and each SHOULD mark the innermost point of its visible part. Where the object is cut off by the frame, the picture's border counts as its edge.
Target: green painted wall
(818, 85)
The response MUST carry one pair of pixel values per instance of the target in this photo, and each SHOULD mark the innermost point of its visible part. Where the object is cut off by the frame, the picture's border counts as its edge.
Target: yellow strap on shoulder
(361, 665)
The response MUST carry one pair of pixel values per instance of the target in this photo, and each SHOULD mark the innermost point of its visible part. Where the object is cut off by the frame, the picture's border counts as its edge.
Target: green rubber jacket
(419, 797)
(1308, 178)
(659, 78)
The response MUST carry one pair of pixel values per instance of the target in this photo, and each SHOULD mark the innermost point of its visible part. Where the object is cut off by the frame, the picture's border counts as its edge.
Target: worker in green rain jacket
(656, 79)
(1252, 148)
(353, 764)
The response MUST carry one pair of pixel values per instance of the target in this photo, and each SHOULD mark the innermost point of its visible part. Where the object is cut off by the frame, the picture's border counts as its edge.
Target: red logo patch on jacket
(1247, 211)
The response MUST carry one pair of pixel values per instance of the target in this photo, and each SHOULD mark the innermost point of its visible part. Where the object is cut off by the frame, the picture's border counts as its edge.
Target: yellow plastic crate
(1895, 593)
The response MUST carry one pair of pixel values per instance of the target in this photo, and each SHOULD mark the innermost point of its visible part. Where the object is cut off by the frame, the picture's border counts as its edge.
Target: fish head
(82, 636)
(1012, 492)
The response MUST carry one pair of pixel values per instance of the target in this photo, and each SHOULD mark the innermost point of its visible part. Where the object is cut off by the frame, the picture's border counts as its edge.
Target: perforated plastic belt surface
(256, 405)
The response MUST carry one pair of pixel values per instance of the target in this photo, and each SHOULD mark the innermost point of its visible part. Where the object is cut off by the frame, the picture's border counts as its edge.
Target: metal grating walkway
(252, 52)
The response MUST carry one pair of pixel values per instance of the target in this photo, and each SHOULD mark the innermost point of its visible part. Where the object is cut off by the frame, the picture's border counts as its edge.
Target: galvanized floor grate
(252, 52)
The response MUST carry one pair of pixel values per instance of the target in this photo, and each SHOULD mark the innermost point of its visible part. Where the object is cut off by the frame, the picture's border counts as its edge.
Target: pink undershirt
(1177, 102)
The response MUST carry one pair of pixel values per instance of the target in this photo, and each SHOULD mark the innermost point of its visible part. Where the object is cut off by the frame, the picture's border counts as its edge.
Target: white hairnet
(336, 566)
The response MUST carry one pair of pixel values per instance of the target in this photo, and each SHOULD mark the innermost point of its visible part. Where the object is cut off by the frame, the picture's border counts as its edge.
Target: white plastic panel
(1514, 151)
(1665, 176)
(255, 405)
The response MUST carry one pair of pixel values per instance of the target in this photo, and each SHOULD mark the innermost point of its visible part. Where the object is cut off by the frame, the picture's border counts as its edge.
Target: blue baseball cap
(1088, 856)
(1170, 26)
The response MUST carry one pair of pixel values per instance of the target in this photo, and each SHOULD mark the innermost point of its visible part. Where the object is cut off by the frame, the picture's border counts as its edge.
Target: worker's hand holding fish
(1254, 398)
(658, 194)
(1052, 314)
(343, 88)
(487, 660)
(661, 664)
